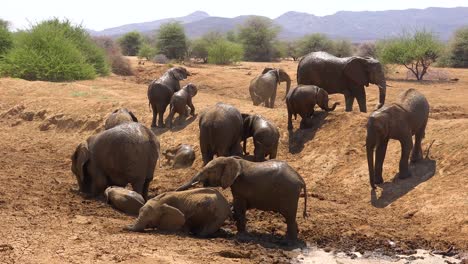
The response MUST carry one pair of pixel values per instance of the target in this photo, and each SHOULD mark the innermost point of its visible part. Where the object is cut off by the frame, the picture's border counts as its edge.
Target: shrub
(160, 58)
(146, 51)
(118, 63)
(258, 36)
(171, 40)
(199, 47)
(416, 52)
(55, 50)
(366, 49)
(6, 39)
(342, 48)
(130, 43)
(224, 52)
(457, 50)
(315, 42)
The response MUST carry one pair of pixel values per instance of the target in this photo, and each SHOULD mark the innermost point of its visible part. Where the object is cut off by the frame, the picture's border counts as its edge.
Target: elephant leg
(291, 233)
(161, 117)
(290, 126)
(207, 155)
(272, 99)
(349, 100)
(416, 154)
(406, 147)
(259, 153)
(144, 191)
(273, 152)
(170, 117)
(155, 113)
(379, 160)
(240, 207)
(360, 95)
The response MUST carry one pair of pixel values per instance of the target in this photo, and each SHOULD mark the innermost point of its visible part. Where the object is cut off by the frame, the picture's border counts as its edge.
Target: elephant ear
(79, 160)
(232, 169)
(171, 218)
(278, 76)
(133, 116)
(267, 69)
(178, 74)
(356, 71)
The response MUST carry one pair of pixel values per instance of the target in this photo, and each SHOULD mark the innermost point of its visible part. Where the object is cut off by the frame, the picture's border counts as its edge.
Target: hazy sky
(100, 14)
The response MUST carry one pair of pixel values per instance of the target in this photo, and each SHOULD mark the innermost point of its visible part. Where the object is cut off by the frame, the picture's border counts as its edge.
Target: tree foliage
(457, 49)
(130, 43)
(6, 39)
(171, 40)
(118, 63)
(55, 50)
(224, 52)
(315, 42)
(258, 36)
(415, 51)
(366, 49)
(147, 51)
(199, 47)
(342, 48)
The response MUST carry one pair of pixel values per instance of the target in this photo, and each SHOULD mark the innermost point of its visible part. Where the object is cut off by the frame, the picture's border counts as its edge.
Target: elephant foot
(153, 125)
(404, 175)
(132, 228)
(378, 180)
(290, 127)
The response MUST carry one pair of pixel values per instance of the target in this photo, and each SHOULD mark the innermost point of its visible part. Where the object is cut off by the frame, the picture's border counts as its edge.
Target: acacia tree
(171, 40)
(458, 49)
(130, 43)
(416, 52)
(199, 47)
(315, 42)
(258, 36)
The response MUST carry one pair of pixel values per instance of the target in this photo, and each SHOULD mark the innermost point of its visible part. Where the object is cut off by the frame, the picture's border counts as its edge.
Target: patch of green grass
(79, 94)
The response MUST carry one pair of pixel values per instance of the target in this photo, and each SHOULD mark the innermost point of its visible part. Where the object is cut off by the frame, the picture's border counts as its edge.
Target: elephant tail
(304, 214)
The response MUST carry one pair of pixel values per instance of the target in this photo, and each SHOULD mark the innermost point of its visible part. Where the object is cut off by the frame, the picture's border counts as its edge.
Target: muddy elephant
(123, 154)
(302, 101)
(183, 156)
(160, 92)
(220, 132)
(269, 186)
(263, 87)
(265, 136)
(124, 200)
(119, 116)
(347, 76)
(199, 211)
(400, 121)
(181, 100)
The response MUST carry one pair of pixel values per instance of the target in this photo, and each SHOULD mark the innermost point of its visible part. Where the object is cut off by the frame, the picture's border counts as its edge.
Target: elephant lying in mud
(302, 101)
(119, 116)
(347, 76)
(182, 155)
(124, 200)
(123, 154)
(263, 88)
(160, 92)
(200, 211)
(400, 121)
(265, 136)
(269, 186)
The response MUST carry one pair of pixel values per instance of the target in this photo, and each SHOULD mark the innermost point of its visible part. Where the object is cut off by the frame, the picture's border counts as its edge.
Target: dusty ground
(44, 219)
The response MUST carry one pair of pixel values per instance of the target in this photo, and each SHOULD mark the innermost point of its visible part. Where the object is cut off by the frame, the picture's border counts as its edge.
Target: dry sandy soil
(45, 220)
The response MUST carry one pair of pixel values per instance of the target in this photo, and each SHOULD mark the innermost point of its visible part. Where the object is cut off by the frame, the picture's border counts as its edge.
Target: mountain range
(356, 26)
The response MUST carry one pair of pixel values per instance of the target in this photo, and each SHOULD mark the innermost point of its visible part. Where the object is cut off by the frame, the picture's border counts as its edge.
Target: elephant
(123, 154)
(199, 211)
(263, 87)
(180, 100)
(183, 156)
(269, 186)
(400, 121)
(220, 132)
(160, 92)
(347, 76)
(124, 200)
(265, 136)
(119, 116)
(302, 101)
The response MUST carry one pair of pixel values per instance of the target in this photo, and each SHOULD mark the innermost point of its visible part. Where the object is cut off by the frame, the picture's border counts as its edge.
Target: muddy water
(315, 255)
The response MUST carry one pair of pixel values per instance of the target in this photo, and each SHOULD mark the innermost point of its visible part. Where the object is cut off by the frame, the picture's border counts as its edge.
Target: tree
(224, 52)
(130, 43)
(6, 39)
(199, 47)
(147, 52)
(416, 52)
(315, 42)
(366, 49)
(458, 49)
(171, 40)
(342, 48)
(258, 36)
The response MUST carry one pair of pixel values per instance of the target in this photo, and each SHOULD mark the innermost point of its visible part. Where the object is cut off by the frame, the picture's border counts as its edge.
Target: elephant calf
(400, 121)
(263, 88)
(200, 211)
(119, 116)
(265, 136)
(180, 100)
(302, 101)
(270, 186)
(123, 154)
(182, 155)
(124, 200)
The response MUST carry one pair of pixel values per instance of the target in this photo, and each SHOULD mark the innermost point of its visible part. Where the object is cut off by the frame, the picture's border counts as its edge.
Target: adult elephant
(220, 132)
(263, 87)
(160, 92)
(347, 76)
(123, 154)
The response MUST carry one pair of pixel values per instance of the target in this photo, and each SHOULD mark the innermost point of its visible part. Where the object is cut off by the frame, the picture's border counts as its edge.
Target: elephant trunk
(328, 109)
(370, 146)
(288, 86)
(382, 93)
(192, 182)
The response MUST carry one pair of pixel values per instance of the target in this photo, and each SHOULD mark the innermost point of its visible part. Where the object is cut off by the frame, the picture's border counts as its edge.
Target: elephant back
(321, 69)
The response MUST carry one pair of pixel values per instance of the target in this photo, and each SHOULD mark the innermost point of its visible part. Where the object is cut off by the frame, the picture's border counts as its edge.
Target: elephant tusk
(194, 183)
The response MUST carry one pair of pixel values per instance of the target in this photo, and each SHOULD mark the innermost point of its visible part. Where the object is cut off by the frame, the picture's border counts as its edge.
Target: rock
(28, 116)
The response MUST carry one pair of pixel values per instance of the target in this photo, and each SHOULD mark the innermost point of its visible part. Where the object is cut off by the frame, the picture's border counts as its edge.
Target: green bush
(147, 52)
(6, 39)
(171, 40)
(456, 53)
(315, 42)
(199, 47)
(224, 52)
(258, 37)
(118, 63)
(130, 43)
(55, 50)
